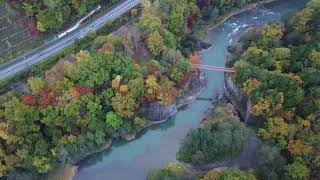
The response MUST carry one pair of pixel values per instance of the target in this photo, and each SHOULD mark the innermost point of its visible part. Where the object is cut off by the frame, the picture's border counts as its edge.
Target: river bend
(158, 145)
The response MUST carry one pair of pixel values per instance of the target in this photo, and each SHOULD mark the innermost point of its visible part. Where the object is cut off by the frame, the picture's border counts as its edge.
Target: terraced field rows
(15, 38)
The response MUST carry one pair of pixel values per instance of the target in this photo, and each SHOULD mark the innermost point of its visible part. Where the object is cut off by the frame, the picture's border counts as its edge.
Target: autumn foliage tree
(96, 93)
(278, 70)
(29, 100)
(156, 43)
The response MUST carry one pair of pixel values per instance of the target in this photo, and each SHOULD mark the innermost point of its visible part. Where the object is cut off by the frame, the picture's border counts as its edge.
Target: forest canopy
(278, 69)
(94, 95)
(221, 137)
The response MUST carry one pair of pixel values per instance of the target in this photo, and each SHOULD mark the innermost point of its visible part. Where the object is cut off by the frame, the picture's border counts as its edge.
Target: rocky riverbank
(155, 112)
(247, 157)
(240, 101)
(64, 172)
(200, 34)
(158, 114)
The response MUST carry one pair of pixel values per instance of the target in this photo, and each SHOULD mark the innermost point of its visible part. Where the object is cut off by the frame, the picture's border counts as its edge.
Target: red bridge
(214, 68)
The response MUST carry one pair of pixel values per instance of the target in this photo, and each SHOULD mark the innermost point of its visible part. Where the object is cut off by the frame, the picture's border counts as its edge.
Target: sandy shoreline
(69, 172)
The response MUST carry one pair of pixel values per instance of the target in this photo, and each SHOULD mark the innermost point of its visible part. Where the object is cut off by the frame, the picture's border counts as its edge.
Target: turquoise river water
(158, 145)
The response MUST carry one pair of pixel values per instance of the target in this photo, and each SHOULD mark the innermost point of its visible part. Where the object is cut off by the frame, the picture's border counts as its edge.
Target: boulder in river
(203, 45)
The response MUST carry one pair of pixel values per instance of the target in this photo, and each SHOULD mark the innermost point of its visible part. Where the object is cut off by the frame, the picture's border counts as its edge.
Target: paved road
(29, 59)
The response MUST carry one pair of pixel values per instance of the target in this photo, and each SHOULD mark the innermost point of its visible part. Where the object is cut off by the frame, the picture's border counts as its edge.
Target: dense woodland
(278, 68)
(222, 145)
(95, 95)
(221, 137)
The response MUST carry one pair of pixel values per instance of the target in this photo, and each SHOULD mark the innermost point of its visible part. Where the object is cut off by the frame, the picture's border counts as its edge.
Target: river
(158, 145)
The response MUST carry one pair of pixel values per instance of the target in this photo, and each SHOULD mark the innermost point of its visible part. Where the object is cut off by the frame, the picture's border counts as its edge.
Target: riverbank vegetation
(96, 94)
(176, 171)
(221, 137)
(170, 171)
(232, 173)
(258, 160)
(213, 12)
(278, 68)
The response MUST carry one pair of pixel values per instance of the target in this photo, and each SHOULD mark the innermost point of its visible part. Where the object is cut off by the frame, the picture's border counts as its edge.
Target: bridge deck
(214, 68)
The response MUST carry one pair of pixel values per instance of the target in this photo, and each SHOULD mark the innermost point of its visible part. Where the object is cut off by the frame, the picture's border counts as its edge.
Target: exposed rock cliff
(240, 101)
(158, 113)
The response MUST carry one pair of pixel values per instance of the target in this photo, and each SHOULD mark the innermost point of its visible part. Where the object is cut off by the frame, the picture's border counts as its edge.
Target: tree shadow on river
(98, 157)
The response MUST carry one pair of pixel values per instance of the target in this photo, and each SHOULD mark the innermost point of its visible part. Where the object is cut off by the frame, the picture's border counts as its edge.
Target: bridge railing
(214, 68)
